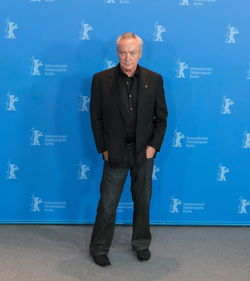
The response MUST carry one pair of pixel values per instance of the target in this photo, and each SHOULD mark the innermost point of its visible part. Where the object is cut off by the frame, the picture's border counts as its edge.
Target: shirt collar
(121, 73)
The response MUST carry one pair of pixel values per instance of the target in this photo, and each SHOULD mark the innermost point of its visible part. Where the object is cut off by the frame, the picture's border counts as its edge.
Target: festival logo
(177, 138)
(109, 64)
(155, 170)
(10, 103)
(194, 2)
(49, 69)
(248, 72)
(225, 106)
(184, 71)
(178, 206)
(43, 0)
(246, 140)
(84, 101)
(48, 206)
(36, 134)
(12, 168)
(175, 202)
(9, 31)
(114, 1)
(35, 202)
(36, 63)
(82, 171)
(230, 36)
(49, 140)
(242, 206)
(221, 175)
(182, 66)
(84, 32)
(183, 3)
(159, 29)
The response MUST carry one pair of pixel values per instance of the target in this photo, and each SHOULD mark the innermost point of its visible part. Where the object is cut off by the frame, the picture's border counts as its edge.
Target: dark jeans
(112, 183)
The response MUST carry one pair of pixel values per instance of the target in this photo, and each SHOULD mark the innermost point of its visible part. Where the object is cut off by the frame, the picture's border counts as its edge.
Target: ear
(140, 53)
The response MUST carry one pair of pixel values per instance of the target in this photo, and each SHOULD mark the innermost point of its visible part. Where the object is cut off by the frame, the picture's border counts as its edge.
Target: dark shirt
(128, 96)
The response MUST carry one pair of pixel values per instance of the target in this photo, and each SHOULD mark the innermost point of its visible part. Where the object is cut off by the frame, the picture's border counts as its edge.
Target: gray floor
(60, 253)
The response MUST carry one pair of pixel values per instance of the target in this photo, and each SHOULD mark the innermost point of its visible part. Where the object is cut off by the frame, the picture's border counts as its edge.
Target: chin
(128, 68)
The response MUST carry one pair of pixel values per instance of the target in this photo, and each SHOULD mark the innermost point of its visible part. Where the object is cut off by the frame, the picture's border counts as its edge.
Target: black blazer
(107, 121)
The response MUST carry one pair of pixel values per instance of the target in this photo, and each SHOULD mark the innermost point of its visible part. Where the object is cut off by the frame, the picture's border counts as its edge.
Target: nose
(127, 57)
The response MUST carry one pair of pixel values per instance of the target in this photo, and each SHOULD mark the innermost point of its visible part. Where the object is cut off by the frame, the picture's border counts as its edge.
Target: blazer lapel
(115, 91)
(142, 93)
(114, 84)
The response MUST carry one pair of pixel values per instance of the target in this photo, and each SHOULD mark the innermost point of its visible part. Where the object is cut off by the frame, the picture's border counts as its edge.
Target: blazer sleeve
(160, 117)
(96, 115)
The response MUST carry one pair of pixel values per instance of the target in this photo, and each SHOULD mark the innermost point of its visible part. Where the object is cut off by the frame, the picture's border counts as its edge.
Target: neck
(130, 73)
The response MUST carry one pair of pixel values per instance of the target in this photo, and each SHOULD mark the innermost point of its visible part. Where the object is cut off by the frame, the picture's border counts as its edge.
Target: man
(128, 118)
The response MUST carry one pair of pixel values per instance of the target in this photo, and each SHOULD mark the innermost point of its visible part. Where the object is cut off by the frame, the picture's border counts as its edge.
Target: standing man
(128, 118)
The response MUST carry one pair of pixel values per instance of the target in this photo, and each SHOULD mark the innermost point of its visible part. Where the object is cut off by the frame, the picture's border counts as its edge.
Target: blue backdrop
(49, 168)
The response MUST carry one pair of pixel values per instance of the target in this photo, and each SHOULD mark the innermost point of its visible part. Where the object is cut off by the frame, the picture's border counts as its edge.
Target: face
(129, 53)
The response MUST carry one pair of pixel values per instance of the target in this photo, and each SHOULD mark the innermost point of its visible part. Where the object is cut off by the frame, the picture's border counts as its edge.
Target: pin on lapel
(146, 86)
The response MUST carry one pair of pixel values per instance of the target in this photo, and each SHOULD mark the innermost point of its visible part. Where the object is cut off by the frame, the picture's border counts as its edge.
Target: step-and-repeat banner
(50, 170)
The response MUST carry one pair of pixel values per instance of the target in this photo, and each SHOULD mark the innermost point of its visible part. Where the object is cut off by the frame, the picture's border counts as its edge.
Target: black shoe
(101, 260)
(143, 255)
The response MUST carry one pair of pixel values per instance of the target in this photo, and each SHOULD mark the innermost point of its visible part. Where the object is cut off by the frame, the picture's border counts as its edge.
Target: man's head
(129, 50)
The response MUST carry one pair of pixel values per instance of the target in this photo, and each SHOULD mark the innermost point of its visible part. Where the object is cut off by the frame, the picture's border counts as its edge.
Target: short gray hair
(129, 35)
